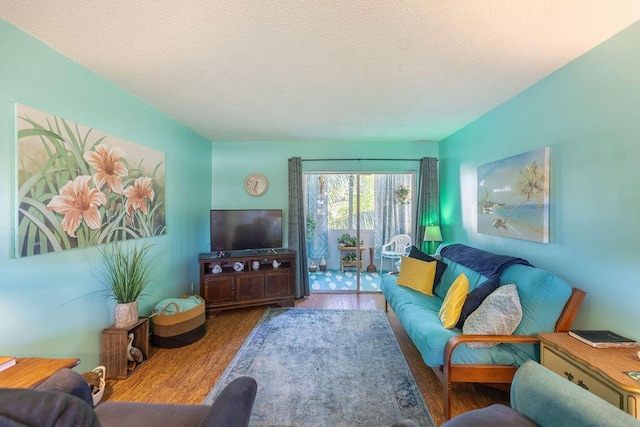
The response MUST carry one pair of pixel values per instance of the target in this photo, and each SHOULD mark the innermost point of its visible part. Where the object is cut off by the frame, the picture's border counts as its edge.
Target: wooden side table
(602, 371)
(344, 250)
(114, 348)
(29, 372)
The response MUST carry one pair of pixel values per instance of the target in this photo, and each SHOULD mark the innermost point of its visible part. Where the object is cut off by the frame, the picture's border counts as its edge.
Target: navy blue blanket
(485, 263)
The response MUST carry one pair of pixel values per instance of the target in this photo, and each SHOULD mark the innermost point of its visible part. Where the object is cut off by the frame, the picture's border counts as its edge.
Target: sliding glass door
(349, 216)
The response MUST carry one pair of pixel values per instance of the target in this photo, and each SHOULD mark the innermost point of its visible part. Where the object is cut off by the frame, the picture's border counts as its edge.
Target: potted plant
(402, 195)
(347, 240)
(126, 274)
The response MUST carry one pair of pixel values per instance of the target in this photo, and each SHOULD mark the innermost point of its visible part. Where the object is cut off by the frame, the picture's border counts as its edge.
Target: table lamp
(432, 234)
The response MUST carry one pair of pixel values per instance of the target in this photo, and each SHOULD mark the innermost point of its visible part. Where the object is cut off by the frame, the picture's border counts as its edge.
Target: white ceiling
(303, 70)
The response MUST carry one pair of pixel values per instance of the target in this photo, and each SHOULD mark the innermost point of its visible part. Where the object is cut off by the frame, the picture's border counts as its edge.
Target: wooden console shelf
(114, 348)
(248, 287)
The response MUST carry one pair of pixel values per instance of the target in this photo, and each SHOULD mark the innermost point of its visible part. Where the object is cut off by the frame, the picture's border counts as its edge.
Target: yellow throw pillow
(453, 302)
(417, 274)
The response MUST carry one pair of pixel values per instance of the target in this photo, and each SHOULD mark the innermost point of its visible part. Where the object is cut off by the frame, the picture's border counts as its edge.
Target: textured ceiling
(302, 70)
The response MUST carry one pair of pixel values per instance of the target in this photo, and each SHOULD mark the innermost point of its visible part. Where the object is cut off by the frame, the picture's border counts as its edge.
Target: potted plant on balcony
(347, 240)
(126, 274)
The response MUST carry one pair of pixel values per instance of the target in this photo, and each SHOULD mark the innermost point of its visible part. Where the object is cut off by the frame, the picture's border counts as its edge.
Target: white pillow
(499, 314)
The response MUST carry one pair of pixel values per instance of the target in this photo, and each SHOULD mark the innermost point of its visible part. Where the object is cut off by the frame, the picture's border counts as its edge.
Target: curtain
(428, 203)
(392, 216)
(317, 229)
(297, 240)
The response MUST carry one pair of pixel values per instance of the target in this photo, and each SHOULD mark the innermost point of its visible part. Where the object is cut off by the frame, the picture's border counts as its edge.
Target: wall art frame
(513, 196)
(78, 187)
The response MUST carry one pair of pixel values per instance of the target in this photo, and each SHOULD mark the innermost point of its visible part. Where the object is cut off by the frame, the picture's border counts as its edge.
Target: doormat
(326, 368)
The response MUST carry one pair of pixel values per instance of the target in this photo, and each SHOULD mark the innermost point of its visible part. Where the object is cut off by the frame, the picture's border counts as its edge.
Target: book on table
(6, 362)
(603, 339)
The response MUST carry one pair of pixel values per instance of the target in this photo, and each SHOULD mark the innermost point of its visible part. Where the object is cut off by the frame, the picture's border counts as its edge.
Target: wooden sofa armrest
(499, 339)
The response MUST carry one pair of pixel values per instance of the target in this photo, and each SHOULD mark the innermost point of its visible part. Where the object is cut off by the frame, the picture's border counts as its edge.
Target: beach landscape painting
(79, 187)
(513, 197)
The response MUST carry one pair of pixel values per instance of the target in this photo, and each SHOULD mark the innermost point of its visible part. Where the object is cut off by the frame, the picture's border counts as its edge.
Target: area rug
(326, 368)
(336, 280)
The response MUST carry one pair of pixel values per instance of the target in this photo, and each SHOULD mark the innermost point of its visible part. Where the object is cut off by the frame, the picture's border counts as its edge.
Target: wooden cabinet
(602, 371)
(114, 348)
(224, 287)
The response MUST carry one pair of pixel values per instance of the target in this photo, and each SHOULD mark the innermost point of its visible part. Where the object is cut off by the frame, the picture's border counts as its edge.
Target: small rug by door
(326, 368)
(336, 280)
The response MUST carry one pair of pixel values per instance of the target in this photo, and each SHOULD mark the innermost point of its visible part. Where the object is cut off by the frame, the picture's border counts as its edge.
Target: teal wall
(233, 161)
(48, 302)
(588, 113)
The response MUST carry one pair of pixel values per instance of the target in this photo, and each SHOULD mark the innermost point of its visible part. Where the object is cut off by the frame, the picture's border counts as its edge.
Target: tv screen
(233, 230)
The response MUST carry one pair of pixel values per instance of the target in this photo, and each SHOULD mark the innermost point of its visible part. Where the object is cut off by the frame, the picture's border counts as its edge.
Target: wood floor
(187, 374)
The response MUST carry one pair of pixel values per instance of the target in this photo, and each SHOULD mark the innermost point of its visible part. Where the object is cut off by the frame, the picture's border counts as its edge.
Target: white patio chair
(398, 246)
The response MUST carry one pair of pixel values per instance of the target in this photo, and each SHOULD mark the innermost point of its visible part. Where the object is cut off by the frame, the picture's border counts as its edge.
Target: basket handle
(170, 304)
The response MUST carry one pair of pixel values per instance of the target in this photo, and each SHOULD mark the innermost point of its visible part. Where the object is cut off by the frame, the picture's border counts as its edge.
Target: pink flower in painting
(136, 195)
(77, 202)
(106, 161)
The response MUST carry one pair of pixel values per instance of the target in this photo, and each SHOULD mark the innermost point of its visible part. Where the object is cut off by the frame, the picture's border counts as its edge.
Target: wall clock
(256, 184)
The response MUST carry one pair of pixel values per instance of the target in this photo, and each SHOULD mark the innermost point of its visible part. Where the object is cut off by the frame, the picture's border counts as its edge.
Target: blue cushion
(451, 274)
(543, 296)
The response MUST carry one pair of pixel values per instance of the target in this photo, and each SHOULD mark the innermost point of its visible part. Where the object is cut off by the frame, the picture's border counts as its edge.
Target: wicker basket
(180, 327)
(97, 396)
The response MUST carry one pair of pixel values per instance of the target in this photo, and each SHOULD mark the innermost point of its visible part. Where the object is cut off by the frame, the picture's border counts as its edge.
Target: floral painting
(513, 197)
(80, 187)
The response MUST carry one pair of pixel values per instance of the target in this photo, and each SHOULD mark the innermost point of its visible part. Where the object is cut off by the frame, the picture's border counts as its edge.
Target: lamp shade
(433, 234)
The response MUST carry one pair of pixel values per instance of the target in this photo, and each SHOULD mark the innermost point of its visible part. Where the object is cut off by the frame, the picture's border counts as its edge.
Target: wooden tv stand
(248, 287)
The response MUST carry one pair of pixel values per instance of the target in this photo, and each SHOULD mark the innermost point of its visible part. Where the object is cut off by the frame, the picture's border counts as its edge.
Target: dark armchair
(65, 400)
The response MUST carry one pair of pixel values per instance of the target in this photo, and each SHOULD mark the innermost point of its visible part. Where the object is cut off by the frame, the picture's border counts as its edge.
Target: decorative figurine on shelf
(275, 263)
(134, 354)
(255, 264)
(216, 269)
(312, 267)
(238, 266)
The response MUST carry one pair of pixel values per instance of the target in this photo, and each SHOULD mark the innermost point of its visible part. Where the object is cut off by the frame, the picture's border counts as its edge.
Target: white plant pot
(125, 315)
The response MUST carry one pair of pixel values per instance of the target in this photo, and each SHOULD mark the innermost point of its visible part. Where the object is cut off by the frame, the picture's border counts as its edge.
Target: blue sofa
(548, 304)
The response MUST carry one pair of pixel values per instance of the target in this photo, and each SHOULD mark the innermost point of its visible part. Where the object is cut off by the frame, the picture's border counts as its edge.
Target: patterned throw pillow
(417, 275)
(453, 301)
(499, 314)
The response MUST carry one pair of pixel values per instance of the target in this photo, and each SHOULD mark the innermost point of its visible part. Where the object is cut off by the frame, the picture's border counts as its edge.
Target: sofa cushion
(499, 314)
(418, 314)
(440, 266)
(491, 416)
(451, 274)
(417, 274)
(150, 414)
(542, 296)
(452, 305)
(27, 407)
(476, 296)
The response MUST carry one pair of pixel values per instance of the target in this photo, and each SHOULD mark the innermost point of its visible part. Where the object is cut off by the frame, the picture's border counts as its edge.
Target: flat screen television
(245, 229)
